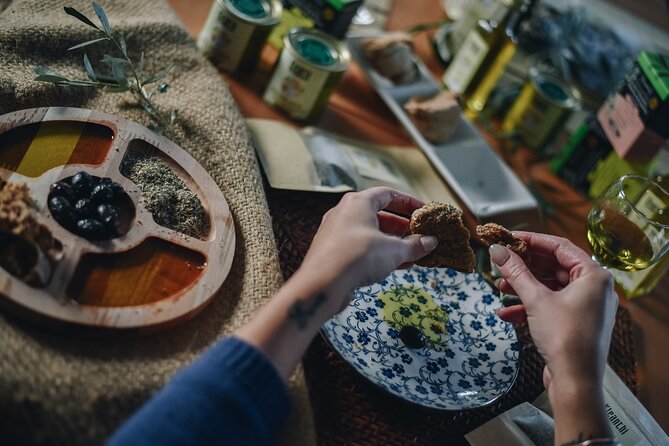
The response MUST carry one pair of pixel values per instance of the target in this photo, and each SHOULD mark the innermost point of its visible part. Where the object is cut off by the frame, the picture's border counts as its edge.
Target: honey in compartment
(33, 149)
(152, 271)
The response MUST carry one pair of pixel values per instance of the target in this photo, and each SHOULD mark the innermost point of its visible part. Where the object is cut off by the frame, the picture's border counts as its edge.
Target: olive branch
(125, 75)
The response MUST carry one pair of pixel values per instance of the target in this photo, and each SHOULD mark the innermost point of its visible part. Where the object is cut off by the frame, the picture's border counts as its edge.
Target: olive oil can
(308, 70)
(542, 107)
(236, 31)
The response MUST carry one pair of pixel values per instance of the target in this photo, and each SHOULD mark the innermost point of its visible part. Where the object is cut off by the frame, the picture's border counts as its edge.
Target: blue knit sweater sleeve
(232, 395)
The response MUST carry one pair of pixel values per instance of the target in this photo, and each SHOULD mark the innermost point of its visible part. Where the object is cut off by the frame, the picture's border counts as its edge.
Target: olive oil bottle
(640, 283)
(474, 11)
(482, 58)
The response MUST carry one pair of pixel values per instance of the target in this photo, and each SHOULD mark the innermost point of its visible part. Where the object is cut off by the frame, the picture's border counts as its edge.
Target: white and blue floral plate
(463, 361)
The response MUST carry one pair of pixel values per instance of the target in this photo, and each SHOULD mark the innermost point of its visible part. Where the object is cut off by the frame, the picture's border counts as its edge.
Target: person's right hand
(570, 311)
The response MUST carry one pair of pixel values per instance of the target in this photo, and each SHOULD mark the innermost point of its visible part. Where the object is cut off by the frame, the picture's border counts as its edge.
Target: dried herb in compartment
(167, 197)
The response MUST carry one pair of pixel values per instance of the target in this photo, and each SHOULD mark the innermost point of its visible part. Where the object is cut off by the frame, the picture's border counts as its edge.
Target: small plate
(468, 361)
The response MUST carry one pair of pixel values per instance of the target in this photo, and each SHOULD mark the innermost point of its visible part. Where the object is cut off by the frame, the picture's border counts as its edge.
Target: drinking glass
(628, 226)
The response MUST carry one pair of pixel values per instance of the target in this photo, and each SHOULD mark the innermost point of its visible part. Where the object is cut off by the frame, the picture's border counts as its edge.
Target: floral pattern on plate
(469, 356)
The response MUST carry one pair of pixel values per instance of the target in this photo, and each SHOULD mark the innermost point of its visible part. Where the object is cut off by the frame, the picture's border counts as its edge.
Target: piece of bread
(391, 55)
(23, 238)
(444, 222)
(436, 117)
(492, 233)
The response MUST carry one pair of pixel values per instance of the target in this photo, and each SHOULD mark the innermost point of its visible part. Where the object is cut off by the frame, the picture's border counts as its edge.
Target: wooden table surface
(356, 111)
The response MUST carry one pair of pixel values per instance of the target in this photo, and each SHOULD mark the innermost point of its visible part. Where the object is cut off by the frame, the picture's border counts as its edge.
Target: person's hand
(359, 243)
(570, 311)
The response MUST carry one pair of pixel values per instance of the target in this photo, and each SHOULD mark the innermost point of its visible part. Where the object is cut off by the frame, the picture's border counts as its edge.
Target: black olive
(117, 190)
(63, 211)
(82, 183)
(86, 205)
(91, 229)
(108, 215)
(412, 337)
(84, 208)
(62, 189)
(102, 193)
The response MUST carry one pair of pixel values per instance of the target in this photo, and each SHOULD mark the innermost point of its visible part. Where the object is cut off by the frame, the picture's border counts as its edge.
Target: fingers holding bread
(444, 222)
(493, 234)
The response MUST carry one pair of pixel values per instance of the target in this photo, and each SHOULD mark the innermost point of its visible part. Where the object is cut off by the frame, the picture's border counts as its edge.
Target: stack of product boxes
(625, 134)
(330, 16)
(623, 137)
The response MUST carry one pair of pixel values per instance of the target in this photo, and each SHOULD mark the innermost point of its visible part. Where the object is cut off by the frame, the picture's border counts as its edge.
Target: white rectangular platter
(485, 184)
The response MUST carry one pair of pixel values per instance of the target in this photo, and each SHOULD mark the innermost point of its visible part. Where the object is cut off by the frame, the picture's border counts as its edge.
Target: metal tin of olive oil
(308, 70)
(541, 108)
(236, 31)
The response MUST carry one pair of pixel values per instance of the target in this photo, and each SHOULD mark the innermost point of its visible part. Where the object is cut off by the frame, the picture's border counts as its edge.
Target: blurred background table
(350, 410)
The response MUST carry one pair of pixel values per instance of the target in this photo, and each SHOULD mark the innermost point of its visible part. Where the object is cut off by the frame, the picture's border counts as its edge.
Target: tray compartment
(24, 261)
(153, 271)
(33, 149)
(140, 149)
(120, 201)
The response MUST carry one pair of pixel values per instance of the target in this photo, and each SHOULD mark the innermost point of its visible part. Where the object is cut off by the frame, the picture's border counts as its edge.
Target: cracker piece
(492, 233)
(444, 222)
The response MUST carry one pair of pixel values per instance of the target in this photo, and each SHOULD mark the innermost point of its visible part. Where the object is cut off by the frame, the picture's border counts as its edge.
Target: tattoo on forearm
(301, 311)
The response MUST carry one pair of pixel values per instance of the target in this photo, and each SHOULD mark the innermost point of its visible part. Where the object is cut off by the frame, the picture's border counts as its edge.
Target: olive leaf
(49, 78)
(108, 60)
(125, 76)
(90, 42)
(76, 83)
(74, 13)
(116, 89)
(140, 65)
(44, 71)
(89, 68)
(103, 17)
(119, 73)
(118, 37)
(158, 76)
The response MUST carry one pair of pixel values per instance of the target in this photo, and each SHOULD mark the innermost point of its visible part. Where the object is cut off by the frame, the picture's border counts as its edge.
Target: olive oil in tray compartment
(33, 149)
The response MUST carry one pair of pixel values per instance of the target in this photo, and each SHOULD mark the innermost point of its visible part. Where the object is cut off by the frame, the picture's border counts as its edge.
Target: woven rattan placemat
(349, 410)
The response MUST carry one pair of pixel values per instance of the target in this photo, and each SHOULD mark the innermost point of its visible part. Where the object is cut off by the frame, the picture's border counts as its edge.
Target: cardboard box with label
(635, 118)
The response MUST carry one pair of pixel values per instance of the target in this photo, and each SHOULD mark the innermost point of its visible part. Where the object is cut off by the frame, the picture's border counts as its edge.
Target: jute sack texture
(59, 387)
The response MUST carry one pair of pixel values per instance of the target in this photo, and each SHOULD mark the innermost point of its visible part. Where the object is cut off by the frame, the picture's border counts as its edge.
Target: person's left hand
(358, 243)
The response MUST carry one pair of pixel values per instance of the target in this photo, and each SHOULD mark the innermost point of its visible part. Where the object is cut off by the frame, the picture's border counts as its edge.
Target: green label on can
(552, 90)
(315, 51)
(256, 9)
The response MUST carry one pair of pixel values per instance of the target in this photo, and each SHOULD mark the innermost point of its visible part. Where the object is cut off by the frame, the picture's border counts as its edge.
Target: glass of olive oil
(628, 226)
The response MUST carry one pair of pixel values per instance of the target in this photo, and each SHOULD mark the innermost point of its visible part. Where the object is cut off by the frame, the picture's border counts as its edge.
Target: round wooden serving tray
(150, 276)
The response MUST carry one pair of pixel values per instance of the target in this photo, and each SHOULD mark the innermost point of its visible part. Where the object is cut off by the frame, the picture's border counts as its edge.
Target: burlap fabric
(64, 388)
